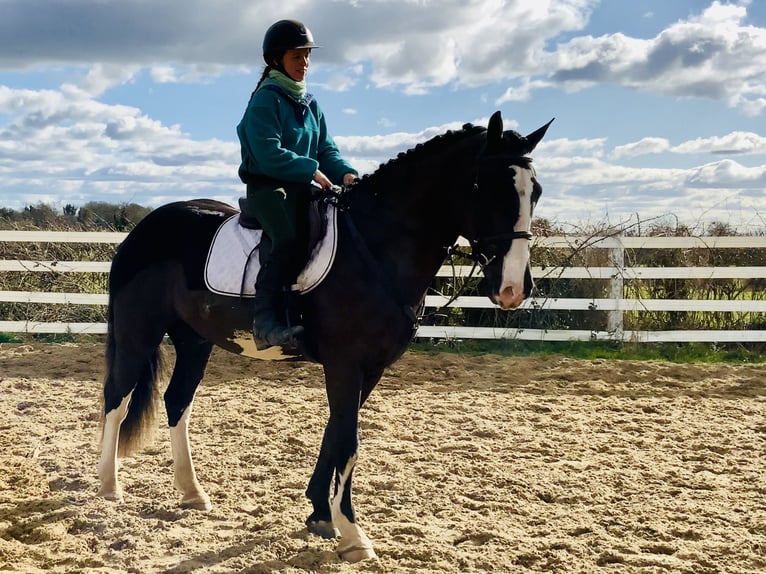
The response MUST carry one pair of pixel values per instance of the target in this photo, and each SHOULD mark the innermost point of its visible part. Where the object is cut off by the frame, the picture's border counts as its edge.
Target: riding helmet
(286, 35)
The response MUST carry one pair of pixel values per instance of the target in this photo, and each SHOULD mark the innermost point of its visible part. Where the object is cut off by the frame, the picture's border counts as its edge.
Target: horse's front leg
(354, 545)
(337, 456)
(318, 490)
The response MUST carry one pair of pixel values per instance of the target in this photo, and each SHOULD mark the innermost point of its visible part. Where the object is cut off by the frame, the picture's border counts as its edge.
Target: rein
(479, 258)
(478, 254)
(457, 251)
(336, 197)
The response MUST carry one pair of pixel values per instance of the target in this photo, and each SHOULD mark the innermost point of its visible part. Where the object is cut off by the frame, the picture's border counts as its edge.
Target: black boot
(268, 328)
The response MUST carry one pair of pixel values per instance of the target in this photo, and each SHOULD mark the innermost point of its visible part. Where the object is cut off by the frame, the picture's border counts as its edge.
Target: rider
(285, 146)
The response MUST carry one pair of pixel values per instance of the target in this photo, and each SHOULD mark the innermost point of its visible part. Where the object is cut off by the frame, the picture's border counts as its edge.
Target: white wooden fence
(616, 273)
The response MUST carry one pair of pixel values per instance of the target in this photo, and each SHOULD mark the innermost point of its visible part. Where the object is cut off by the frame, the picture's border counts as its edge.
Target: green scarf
(296, 89)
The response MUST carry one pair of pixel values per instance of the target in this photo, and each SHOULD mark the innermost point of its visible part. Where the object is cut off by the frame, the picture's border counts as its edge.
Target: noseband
(481, 257)
(484, 250)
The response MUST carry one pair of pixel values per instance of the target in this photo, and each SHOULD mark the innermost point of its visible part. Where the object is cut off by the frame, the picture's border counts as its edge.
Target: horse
(395, 228)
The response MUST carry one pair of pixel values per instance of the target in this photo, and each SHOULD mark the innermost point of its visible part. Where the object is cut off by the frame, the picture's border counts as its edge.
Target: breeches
(282, 210)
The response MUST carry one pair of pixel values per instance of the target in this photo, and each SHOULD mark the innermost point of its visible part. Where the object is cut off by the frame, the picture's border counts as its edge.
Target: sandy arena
(467, 464)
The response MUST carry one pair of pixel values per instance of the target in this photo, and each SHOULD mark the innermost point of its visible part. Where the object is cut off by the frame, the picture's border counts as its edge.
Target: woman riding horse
(394, 230)
(285, 146)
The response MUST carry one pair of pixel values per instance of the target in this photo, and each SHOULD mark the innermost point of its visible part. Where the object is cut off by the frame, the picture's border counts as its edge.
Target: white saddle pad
(232, 261)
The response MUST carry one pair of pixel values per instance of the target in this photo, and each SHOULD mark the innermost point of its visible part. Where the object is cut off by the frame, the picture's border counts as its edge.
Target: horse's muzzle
(509, 298)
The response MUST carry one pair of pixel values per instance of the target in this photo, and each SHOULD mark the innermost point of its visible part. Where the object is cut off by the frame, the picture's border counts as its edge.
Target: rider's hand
(322, 180)
(350, 179)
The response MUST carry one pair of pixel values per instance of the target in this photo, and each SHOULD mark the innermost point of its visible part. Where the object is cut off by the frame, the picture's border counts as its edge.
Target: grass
(50, 338)
(673, 352)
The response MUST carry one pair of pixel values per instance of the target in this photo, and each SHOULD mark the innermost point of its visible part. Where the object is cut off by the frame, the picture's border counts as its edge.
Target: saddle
(232, 262)
(317, 220)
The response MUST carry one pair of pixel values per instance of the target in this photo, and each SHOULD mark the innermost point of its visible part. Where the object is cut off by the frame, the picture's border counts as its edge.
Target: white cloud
(164, 74)
(713, 55)
(565, 147)
(384, 122)
(733, 143)
(644, 146)
(382, 147)
(101, 77)
(412, 45)
(522, 92)
(727, 173)
(340, 82)
(69, 140)
(191, 74)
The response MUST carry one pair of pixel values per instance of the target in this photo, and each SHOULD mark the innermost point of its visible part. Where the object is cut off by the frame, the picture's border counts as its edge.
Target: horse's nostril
(509, 298)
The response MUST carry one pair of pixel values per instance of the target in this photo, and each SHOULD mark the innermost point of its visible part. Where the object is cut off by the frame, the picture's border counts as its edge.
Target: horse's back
(179, 232)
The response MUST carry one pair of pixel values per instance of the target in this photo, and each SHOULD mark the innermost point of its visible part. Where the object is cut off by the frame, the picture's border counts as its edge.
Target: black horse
(395, 228)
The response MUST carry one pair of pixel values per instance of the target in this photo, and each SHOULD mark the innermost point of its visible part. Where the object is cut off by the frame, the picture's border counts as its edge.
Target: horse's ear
(495, 132)
(534, 138)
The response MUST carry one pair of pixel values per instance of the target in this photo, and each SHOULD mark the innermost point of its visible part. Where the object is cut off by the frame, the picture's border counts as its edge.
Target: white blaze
(516, 259)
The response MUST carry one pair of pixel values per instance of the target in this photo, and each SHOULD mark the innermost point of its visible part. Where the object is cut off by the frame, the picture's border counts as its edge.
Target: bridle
(480, 257)
(483, 250)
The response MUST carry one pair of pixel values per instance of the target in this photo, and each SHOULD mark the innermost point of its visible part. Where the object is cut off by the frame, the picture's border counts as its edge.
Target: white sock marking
(185, 477)
(107, 466)
(352, 536)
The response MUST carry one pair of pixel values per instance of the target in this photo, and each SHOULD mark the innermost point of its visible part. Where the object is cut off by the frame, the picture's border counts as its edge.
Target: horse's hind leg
(130, 371)
(107, 466)
(192, 354)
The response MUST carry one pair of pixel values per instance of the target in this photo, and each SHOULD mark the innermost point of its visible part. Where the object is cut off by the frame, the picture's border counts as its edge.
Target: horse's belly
(227, 322)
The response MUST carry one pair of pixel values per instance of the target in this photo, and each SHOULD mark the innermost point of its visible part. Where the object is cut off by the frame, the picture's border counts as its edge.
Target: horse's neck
(407, 225)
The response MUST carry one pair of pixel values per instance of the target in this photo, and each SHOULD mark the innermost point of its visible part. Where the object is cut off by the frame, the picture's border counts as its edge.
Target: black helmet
(286, 35)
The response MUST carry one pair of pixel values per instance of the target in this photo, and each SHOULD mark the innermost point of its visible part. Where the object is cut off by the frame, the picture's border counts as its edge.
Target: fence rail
(616, 274)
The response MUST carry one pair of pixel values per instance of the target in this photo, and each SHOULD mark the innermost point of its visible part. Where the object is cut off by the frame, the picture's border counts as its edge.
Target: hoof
(323, 528)
(112, 494)
(201, 502)
(354, 554)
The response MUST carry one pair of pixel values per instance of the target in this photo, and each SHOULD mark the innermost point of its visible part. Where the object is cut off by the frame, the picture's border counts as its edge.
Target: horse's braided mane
(434, 145)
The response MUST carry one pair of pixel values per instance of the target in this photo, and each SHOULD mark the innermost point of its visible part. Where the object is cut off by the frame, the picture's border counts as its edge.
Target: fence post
(616, 284)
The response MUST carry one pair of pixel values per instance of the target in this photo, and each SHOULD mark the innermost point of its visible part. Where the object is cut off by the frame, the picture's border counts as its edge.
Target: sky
(660, 105)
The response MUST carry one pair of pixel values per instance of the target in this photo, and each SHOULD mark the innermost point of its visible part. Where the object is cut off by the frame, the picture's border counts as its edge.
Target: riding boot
(268, 328)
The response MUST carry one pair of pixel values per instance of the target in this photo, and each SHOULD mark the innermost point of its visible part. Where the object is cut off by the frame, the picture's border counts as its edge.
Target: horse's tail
(140, 424)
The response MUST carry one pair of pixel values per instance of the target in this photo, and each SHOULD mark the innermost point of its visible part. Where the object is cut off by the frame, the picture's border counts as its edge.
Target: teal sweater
(286, 139)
